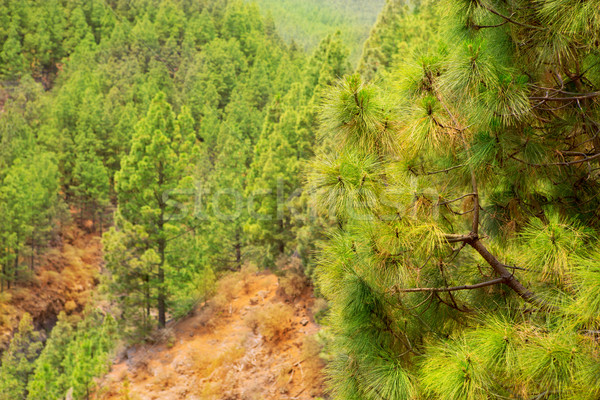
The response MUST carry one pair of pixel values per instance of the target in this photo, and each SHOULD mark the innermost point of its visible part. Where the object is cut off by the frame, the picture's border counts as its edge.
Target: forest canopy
(156, 124)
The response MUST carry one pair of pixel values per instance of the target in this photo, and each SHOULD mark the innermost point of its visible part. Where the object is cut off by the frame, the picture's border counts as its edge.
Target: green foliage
(18, 360)
(463, 264)
(74, 354)
(307, 22)
(157, 166)
(402, 28)
(178, 114)
(29, 205)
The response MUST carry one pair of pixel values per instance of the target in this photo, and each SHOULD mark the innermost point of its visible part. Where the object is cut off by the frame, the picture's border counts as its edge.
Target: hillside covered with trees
(172, 171)
(308, 21)
(177, 129)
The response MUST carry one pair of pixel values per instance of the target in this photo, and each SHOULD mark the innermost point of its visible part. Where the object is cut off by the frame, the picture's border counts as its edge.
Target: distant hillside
(404, 28)
(308, 21)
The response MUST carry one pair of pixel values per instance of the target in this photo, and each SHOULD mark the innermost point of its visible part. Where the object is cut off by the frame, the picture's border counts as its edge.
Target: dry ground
(64, 280)
(252, 342)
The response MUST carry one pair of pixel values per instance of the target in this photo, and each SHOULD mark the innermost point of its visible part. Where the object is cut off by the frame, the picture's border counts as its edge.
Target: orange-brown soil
(63, 281)
(218, 355)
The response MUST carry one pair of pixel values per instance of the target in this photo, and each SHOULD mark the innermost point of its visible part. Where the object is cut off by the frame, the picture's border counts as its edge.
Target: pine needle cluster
(464, 184)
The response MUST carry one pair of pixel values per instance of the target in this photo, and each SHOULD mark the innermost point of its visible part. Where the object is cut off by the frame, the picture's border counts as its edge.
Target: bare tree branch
(450, 238)
(503, 270)
(445, 170)
(509, 278)
(564, 163)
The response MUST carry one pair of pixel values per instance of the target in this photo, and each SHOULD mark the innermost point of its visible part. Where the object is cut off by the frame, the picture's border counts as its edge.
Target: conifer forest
(299, 199)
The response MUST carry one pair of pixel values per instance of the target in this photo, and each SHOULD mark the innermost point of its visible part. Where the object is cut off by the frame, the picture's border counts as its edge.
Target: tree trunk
(238, 251)
(162, 307)
(32, 251)
(146, 301)
(16, 266)
(281, 241)
(6, 277)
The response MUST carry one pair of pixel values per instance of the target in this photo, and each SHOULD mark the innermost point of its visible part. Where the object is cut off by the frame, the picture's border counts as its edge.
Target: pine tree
(225, 207)
(157, 164)
(18, 360)
(90, 178)
(48, 368)
(464, 261)
(273, 179)
(75, 353)
(29, 205)
(11, 56)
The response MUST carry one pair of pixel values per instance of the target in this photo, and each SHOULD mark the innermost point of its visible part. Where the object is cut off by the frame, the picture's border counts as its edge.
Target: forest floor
(64, 279)
(224, 355)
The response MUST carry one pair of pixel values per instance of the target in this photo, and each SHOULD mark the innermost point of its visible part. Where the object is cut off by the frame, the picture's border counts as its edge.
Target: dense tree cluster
(403, 27)
(465, 186)
(208, 189)
(236, 112)
(188, 121)
(73, 354)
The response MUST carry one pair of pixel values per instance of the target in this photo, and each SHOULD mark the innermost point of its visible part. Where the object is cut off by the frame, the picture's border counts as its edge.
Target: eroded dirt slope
(221, 356)
(63, 281)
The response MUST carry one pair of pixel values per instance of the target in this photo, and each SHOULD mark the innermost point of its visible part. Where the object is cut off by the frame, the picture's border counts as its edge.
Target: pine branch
(461, 213)
(564, 163)
(453, 288)
(473, 240)
(444, 170)
(509, 18)
(509, 278)
(458, 198)
(582, 96)
(489, 26)
(475, 194)
(450, 238)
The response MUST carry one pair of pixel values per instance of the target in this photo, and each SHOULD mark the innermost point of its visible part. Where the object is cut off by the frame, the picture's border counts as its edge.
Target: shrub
(314, 364)
(209, 362)
(227, 289)
(292, 284)
(271, 321)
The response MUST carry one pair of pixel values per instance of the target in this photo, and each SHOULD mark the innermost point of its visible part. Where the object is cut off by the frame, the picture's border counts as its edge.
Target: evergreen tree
(90, 183)
(82, 127)
(75, 353)
(29, 206)
(18, 360)
(158, 163)
(11, 56)
(403, 27)
(48, 369)
(224, 202)
(273, 178)
(464, 261)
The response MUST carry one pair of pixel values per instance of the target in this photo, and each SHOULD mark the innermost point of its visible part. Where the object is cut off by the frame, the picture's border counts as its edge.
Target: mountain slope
(217, 354)
(308, 21)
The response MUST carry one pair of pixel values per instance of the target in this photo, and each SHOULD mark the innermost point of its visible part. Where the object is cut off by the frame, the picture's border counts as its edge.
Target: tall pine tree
(157, 165)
